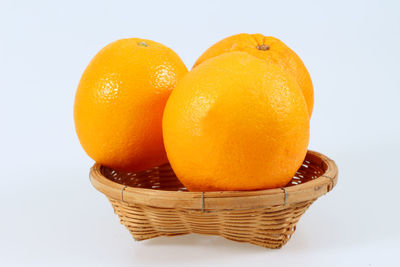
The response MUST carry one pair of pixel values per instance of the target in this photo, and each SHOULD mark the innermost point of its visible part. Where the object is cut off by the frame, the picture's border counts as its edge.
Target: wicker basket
(154, 203)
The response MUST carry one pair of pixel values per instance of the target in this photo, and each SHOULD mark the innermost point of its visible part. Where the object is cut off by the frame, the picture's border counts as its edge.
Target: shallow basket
(154, 203)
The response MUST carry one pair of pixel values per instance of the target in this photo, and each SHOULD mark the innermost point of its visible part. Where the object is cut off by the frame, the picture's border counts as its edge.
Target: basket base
(269, 227)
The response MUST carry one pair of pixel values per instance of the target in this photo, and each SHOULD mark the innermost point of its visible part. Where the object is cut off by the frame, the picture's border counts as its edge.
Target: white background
(50, 215)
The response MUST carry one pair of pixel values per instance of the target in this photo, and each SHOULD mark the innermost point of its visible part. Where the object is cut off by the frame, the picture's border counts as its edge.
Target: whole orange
(236, 122)
(120, 101)
(269, 49)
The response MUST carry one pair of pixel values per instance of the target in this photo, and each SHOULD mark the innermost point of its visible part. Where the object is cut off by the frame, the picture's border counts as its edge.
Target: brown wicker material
(154, 203)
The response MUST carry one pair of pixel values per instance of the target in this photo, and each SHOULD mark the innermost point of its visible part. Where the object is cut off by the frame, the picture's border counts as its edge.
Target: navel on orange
(120, 101)
(271, 50)
(236, 122)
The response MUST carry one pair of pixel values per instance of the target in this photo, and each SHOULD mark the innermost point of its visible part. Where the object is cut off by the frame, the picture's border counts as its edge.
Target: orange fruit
(120, 101)
(236, 122)
(271, 50)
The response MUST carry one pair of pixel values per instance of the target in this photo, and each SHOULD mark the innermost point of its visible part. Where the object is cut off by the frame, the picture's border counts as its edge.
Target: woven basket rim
(221, 199)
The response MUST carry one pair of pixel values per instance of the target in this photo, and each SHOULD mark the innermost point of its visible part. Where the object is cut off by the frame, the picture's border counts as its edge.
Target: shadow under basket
(154, 203)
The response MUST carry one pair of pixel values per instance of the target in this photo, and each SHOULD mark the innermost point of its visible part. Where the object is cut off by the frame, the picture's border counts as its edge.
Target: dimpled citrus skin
(120, 101)
(236, 122)
(270, 49)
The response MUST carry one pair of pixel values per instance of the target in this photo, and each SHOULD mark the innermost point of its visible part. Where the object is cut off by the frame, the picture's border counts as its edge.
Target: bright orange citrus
(236, 122)
(120, 101)
(270, 49)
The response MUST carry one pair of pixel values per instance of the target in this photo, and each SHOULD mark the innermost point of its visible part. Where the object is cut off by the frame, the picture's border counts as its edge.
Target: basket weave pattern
(154, 203)
(269, 227)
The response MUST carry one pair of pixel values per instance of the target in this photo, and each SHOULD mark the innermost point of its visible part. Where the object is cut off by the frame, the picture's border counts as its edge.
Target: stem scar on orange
(120, 101)
(271, 50)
